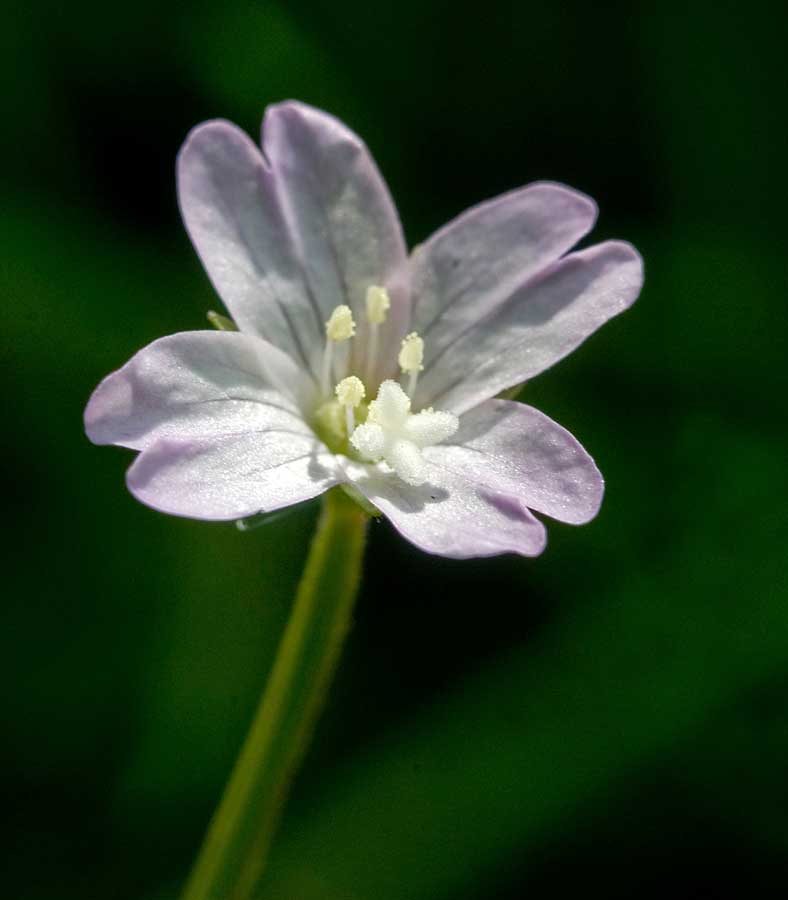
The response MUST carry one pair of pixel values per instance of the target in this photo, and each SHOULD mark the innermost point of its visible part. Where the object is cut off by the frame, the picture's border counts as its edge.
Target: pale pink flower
(355, 364)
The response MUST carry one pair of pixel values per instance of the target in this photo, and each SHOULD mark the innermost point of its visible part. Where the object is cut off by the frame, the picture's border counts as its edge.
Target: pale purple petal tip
(232, 209)
(517, 451)
(543, 321)
(195, 384)
(345, 224)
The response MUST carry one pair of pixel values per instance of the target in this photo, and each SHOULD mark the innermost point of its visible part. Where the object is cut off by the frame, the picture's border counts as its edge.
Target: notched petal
(345, 224)
(231, 208)
(448, 514)
(543, 321)
(515, 450)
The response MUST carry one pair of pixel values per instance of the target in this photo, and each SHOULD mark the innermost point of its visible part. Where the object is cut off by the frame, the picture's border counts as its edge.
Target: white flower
(305, 248)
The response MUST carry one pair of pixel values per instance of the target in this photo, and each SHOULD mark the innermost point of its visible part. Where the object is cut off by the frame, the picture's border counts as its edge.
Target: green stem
(234, 851)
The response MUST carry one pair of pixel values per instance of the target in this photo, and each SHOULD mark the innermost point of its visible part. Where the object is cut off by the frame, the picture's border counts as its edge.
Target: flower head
(355, 364)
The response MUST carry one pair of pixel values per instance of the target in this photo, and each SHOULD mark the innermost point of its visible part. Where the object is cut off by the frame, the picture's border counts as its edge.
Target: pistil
(392, 433)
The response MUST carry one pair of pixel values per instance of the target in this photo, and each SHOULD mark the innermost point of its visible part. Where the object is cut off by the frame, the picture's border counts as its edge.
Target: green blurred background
(611, 717)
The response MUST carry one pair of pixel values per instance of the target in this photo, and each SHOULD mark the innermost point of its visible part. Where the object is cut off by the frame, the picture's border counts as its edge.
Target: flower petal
(518, 451)
(230, 206)
(233, 476)
(449, 514)
(476, 262)
(543, 321)
(340, 210)
(195, 384)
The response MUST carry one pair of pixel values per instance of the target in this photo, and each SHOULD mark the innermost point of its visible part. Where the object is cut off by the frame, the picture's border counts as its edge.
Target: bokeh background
(612, 716)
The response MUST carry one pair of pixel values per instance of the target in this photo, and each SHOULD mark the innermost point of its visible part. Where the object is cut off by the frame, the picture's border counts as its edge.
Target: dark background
(611, 717)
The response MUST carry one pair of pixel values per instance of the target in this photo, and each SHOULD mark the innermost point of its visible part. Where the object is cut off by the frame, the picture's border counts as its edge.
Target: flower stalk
(236, 846)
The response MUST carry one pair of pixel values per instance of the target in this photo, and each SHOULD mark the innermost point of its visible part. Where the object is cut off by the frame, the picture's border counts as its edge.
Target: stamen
(350, 392)
(340, 327)
(410, 359)
(378, 304)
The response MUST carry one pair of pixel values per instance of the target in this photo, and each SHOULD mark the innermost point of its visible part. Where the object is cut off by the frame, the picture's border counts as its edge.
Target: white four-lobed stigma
(395, 435)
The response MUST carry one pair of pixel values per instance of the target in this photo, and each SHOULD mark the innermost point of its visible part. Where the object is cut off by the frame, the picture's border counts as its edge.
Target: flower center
(386, 430)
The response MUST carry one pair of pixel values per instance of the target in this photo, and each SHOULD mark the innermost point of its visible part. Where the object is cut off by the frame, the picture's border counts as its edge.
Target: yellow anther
(378, 304)
(350, 391)
(411, 355)
(340, 326)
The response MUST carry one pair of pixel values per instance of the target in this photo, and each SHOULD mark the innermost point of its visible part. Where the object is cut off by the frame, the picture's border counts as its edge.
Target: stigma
(394, 435)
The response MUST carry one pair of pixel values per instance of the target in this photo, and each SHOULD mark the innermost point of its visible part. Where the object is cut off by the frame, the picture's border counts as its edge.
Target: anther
(339, 327)
(411, 357)
(378, 303)
(350, 392)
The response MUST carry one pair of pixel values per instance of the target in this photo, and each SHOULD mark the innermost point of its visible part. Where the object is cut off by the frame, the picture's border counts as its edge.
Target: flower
(357, 365)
